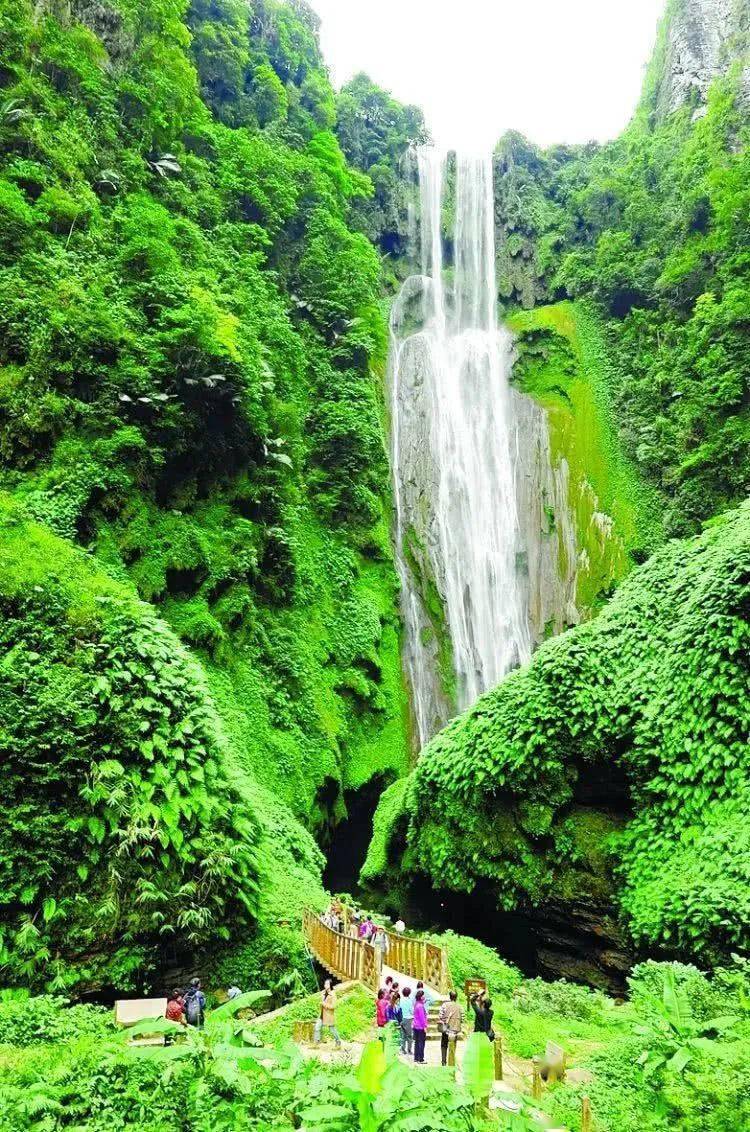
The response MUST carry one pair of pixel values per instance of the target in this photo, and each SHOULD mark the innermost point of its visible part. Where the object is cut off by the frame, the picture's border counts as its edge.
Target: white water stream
(458, 536)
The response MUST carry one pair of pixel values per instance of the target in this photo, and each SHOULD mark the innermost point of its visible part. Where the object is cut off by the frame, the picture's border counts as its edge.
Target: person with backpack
(419, 1027)
(194, 1005)
(393, 1010)
(327, 1015)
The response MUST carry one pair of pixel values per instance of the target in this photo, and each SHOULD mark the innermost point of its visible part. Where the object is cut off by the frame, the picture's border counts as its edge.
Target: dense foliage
(190, 348)
(376, 134)
(670, 1058)
(652, 692)
(654, 228)
(132, 823)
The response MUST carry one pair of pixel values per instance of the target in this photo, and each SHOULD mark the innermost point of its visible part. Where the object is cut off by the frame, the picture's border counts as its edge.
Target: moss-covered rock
(125, 814)
(563, 365)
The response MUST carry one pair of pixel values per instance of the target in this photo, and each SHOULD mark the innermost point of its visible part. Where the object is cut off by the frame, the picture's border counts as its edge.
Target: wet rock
(702, 39)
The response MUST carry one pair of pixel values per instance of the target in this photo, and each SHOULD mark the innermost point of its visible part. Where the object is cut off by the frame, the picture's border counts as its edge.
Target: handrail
(343, 955)
(348, 957)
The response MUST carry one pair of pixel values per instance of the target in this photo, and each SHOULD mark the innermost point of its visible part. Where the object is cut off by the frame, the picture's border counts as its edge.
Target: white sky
(557, 70)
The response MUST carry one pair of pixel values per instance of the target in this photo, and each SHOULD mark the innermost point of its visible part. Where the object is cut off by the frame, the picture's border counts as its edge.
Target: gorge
(372, 517)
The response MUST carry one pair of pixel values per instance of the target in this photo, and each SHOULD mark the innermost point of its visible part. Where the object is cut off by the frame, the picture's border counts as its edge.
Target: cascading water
(457, 529)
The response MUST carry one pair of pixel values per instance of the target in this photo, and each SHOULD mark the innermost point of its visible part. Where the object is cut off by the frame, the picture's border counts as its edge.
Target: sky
(557, 70)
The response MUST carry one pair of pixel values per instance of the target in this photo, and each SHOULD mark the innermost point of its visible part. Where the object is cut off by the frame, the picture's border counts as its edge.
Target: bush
(27, 1021)
(468, 958)
(561, 999)
(656, 687)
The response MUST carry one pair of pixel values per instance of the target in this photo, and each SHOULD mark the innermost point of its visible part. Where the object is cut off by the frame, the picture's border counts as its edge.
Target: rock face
(548, 533)
(702, 38)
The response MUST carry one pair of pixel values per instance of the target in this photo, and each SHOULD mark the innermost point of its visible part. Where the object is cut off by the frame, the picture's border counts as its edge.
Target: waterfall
(457, 532)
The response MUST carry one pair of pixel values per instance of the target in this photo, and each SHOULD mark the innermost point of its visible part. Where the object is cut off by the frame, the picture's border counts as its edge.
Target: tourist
(175, 1011)
(366, 929)
(388, 985)
(381, 945)
(381, 1011)
(451, 1020)
(233, 992)
(327, 1017)
(419, 1027)
(393, 1013)
(427, 995)
(407, 1020)
(195, 1004)
(482, 1007)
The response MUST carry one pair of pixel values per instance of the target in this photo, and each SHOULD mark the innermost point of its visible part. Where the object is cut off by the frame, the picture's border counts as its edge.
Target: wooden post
(498, 1059)
(585, 1114)
(536, 1080)
(452, 1052)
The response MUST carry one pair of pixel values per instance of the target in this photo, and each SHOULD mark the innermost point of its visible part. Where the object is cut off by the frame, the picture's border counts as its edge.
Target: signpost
(474, 986)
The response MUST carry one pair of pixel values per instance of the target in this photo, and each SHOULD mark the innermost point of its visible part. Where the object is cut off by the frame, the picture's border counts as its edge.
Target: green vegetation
(653, 228)
(655, 689)
(192, 344)
(563, 364)
(60, 1064)
(133, 823)
(375, 133)
(199, 632)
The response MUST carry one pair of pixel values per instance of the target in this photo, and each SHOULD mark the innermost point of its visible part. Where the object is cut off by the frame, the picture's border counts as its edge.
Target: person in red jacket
(382, 1007)
(175, 1012)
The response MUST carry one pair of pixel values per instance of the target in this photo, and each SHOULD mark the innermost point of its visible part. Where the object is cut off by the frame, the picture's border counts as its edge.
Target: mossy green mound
(563, 364)
(125, 814)
(651, 696)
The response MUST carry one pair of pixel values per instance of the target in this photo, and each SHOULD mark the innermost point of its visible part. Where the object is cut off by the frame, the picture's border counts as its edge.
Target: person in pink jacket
(419, 1027)
(381, 1011)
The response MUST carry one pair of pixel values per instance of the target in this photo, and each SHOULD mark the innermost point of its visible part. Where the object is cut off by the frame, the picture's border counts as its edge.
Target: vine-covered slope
(191, 345)
(651, 694)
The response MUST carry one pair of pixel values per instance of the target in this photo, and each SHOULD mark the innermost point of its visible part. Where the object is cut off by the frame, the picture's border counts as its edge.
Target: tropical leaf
(228, 1009)
(679, 1060)
(371, 1068)
(478, 1067)
(676, 1007)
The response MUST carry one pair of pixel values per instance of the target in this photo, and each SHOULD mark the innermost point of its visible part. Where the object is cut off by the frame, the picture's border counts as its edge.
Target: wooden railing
(347, 957)
(343, 955)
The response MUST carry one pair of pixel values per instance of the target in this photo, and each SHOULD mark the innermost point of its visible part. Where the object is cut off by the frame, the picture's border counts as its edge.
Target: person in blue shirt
(407, 1019)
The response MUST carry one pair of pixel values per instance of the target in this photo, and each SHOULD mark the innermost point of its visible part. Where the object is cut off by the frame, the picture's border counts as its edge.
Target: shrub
(468, 958)
(26, 1021)
(561, 999)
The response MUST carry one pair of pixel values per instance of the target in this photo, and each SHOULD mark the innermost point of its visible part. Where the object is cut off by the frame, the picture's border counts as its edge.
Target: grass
(355, 1017)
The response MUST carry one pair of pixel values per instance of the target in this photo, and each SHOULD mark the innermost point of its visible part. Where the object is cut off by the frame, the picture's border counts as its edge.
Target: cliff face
(699, 40)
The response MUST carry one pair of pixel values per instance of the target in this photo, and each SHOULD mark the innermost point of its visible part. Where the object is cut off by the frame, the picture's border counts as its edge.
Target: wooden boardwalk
(348, 957)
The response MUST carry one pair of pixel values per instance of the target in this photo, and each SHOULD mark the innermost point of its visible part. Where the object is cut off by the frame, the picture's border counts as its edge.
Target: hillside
(190, 367)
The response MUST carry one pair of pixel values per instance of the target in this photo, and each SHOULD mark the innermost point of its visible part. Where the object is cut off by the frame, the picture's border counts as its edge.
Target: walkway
(409, 960)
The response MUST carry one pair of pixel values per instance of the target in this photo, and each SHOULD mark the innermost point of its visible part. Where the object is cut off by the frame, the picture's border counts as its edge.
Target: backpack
(193, 1007)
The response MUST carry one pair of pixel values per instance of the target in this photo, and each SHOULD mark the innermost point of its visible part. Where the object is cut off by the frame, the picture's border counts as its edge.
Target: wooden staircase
(347, 957)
